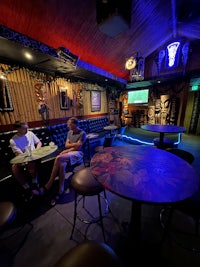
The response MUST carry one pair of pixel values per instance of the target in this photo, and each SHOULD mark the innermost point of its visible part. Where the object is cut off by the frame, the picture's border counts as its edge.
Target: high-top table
(34, 155)
(144, 174)
(162, 129)
(110, 128)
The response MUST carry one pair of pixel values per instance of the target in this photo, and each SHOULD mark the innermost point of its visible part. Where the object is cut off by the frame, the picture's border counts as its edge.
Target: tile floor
(49, 238)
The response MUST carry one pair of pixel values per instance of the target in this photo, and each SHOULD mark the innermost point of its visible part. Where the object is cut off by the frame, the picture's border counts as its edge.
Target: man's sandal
(56, 198)
(44, 190)
(35, 189)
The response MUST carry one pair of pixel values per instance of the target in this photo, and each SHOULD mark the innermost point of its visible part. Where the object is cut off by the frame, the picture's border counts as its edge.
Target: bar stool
(90, 253)
(84, 184)
(8, 214)
(189, 207)
(187, 156)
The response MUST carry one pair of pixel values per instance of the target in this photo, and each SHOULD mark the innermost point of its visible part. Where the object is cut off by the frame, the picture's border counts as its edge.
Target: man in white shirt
(19, 143)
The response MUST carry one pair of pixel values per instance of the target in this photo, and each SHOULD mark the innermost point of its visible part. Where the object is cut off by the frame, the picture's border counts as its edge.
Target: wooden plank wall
(28, 88)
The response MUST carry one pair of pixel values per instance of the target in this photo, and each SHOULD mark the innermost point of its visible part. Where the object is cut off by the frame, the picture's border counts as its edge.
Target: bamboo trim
(19, 96)
(31, 97)
(2, 119)
(30, 107)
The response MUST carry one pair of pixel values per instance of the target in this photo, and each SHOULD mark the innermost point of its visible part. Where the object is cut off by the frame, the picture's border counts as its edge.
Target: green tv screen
(138, 97)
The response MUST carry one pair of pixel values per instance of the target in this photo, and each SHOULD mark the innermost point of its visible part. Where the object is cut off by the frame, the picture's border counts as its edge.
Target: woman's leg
(58, 169)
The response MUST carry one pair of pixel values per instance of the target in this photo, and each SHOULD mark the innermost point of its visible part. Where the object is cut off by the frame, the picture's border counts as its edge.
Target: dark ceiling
(98, 35)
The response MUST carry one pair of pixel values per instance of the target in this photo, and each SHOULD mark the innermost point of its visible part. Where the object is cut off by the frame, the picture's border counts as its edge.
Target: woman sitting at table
(73, 154)
(19, 143)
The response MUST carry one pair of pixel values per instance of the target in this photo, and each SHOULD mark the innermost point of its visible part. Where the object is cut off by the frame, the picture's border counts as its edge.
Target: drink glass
(28, 150)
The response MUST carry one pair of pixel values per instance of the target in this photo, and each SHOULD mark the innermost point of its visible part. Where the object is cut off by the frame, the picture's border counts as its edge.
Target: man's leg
(58, 170)
(20, 176)
(62, 172)
(31, 168)
(18, 172)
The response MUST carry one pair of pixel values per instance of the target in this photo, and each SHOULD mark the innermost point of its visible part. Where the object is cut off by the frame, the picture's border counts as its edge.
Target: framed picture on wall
(95, 97)
(64, 99)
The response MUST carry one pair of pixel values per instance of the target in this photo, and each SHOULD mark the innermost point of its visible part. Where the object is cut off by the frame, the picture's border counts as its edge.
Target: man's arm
(73, 146)
(39, 144)
(36, 140)
(15, 149)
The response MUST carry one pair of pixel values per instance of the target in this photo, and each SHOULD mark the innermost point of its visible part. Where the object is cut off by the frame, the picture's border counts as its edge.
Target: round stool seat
(90, 253)
(84, 183)
(187, 156)
(7, 213)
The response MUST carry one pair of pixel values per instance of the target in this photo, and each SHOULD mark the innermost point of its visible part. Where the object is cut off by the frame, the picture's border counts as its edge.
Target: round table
(144, 174)
(110, 128)
(35, 154)
(162, 129)
(92, 136)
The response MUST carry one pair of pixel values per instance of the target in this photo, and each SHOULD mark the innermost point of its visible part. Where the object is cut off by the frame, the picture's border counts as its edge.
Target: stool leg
(106, 200)
(75, 215)
(167, 225)
(101, 217)
(197, 227)
(83, 202)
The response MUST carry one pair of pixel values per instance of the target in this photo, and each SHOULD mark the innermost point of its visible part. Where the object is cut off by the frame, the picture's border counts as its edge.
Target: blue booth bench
(53, 133)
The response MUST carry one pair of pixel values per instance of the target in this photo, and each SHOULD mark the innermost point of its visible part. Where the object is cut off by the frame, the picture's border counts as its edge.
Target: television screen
(138, 97)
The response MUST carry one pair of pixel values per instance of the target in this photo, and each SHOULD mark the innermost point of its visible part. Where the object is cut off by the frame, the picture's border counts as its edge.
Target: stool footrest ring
(94, 220)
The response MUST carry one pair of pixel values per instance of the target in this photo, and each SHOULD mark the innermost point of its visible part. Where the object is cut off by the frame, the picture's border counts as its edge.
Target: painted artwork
(95, 97)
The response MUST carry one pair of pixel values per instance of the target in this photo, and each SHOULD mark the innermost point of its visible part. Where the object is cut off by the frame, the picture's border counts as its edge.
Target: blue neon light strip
(179, 139)
(137, 140)
(150, 143)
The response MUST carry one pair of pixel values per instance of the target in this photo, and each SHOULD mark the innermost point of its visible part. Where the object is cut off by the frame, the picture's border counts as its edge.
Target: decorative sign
(41, 94)
(95, 97)
(172, 54)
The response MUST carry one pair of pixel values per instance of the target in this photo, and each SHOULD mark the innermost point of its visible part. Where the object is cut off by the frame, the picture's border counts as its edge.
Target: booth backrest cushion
(97, 125)
(43, 134)
(58, 134)
(5, 150)
(83, 124)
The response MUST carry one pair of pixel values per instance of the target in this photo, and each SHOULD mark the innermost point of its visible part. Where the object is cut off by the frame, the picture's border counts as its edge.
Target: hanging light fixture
(135, 64)
(130, 63)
